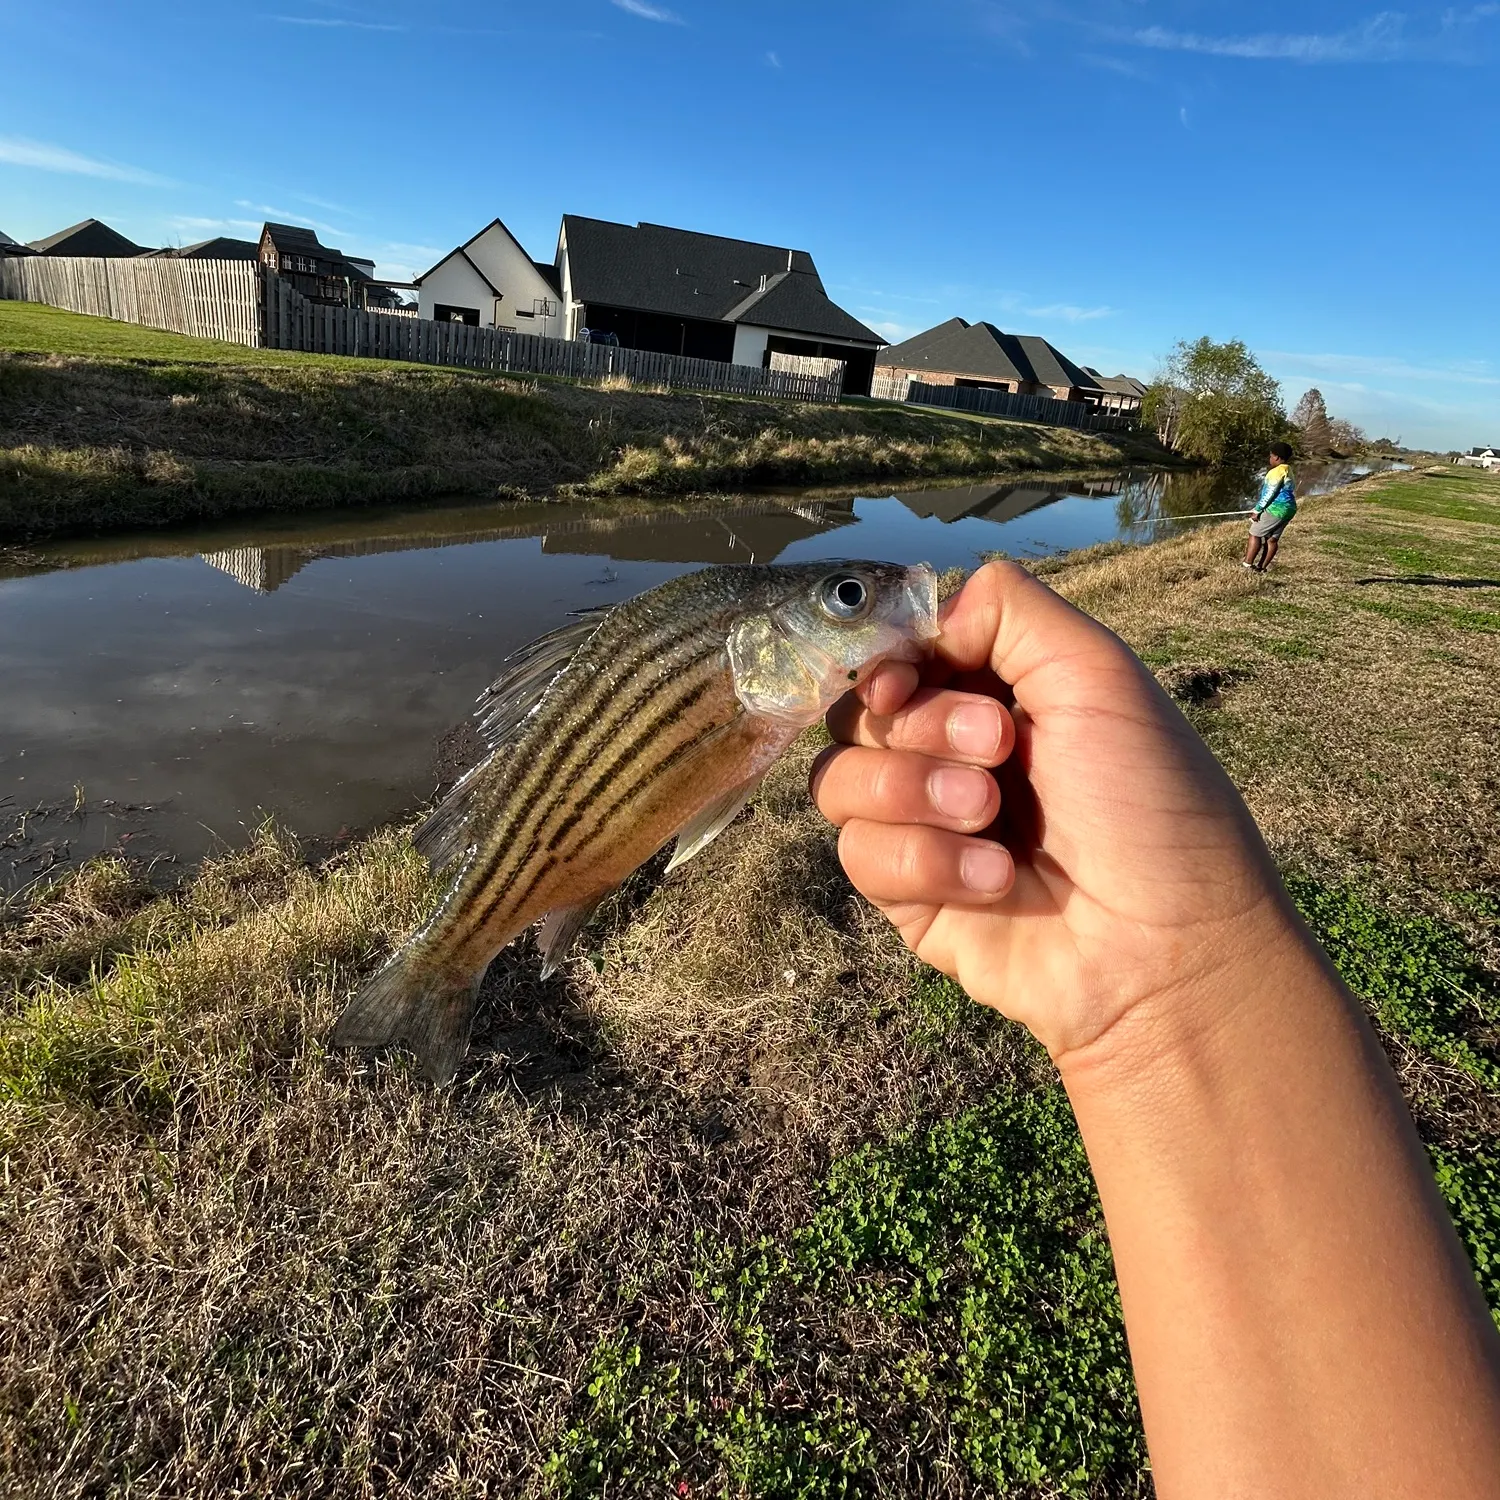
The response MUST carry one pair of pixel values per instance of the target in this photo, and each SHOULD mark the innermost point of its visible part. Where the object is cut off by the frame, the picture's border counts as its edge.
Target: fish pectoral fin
(504, 705)
(560, 929)
(402, 1003)
(703, 828)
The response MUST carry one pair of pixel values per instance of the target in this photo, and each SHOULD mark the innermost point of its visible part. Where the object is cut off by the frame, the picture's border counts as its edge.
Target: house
(319, 272)
(1122, 393)
(92, 237)
(219, 248)
(9, 246)
(706, 296)
(981, 356)
(490, 281)
(1481, 458)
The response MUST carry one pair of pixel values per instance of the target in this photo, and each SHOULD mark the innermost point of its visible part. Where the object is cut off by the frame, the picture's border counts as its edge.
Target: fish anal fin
(705, 826)
(527, 674)
(431, 1013)
(559, 931)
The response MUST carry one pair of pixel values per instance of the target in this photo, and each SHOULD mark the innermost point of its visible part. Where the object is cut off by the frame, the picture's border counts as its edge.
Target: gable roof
(684, 274)
(5, 239)
(293, 239)
(797, 302)
(91, 237)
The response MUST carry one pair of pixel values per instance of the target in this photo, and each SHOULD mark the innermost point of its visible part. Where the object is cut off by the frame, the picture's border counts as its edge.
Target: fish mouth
(922, 602)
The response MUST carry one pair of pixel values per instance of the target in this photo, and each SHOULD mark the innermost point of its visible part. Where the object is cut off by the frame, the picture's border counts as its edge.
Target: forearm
(1302, 1319)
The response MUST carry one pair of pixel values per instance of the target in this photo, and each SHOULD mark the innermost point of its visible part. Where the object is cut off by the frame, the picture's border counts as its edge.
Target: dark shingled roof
(956, 347)
(292, 239)
(219, 248)
(92, 237)
(983, 352)
(1118, 385)
(683, 274)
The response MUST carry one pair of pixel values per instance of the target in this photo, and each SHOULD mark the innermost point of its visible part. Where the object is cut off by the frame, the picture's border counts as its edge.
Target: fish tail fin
(406, 1002)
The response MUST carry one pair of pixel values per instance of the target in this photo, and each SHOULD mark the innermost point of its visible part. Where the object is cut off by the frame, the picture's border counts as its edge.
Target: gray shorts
(1268, 526)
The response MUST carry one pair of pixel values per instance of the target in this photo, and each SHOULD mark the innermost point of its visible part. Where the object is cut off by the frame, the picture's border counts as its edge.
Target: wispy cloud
(333, 208)
(1360, 367)
(772, 60)
(288, 216)
(1386, 37)
(45, 157)
(1380, 39)
(648, 12)
(335, 23)
(1066, 312)
(196, 222)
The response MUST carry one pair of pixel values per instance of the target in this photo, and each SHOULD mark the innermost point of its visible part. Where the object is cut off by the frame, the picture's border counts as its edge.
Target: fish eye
(845, 598)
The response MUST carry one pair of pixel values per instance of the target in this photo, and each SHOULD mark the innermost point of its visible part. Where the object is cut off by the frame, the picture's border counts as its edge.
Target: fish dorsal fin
(560, 929)
(702, 829)
(505, 704)
(502, 709)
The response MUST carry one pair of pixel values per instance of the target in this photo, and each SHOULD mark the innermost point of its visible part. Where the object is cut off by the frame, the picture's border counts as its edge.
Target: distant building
(706, 296)
(1481, 458)
(220, 248)
(1122, 393)
(92, 237)
(983, 357)
(319, 272)
(9, 246)
(490, 282)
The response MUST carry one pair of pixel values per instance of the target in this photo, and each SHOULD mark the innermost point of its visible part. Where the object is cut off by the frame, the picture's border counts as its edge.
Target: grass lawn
(107, 425)
(744, 1201)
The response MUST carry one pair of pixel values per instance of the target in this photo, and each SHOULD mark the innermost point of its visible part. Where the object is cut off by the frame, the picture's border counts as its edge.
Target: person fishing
(1273, 510)
(1039, 822)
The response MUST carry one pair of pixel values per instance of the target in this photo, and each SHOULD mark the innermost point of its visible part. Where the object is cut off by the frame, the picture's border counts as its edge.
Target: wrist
(1233, 986)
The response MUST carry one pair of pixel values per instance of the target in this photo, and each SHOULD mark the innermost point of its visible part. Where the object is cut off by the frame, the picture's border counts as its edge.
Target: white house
(1481, 458)
(491, 282)
(706, 296)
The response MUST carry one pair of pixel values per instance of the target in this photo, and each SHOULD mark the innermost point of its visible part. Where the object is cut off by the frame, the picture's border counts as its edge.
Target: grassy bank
(744, 1201)
(108, 425)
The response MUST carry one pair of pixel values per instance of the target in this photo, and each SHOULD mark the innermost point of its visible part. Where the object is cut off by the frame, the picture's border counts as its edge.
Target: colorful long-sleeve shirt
(1278, 493)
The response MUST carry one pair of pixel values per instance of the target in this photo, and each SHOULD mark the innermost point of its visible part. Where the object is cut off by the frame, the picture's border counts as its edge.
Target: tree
(1214, 402)
(1311, 421)
(1345, 438)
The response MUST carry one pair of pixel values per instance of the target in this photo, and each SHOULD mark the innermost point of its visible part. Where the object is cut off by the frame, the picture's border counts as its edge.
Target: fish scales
(659, 725)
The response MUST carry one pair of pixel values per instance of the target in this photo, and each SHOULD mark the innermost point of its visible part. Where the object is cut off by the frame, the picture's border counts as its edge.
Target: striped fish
(630, 727)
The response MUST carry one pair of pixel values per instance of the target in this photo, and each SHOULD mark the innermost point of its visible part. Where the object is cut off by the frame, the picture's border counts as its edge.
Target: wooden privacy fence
(1003, 404)
(292, 322)
(209, 299)
(237, 300)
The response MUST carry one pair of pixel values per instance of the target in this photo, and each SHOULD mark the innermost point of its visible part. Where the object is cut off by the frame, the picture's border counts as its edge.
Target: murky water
(164, 692)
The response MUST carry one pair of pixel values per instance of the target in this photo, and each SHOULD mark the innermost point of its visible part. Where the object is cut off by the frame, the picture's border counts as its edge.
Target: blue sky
(1319, 179)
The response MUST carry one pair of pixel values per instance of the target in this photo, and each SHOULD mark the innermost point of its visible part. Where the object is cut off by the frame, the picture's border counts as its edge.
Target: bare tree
(1311, 420)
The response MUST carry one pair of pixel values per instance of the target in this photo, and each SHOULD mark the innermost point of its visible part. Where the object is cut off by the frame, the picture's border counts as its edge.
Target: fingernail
(986, 868)
(974, 730)
(958, 792)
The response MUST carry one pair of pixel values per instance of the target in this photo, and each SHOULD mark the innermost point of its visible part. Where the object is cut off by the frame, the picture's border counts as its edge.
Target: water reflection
(187, 682)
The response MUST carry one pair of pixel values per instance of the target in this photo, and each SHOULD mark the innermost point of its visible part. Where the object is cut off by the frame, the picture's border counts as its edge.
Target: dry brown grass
(238, 1265)
(97, 443)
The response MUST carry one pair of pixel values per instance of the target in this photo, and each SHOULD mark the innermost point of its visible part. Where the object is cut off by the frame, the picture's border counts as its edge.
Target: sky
(1320, 179)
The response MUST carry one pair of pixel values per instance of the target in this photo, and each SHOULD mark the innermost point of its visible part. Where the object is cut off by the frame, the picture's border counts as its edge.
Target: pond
(164, 692)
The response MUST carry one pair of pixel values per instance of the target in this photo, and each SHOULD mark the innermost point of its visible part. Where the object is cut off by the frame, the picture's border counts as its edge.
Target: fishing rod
(1204, 515)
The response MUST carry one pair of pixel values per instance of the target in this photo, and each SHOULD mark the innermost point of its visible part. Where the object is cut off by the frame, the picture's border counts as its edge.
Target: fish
(631, 726)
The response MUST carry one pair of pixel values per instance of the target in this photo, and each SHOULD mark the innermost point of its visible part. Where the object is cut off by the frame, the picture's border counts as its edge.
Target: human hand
(1108, 868)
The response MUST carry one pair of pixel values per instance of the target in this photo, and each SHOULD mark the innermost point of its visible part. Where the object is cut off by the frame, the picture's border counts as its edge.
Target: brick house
(981, 356)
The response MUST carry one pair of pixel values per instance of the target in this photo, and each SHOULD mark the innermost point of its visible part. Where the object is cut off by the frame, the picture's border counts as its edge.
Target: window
(444, 313)
(522, 313)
